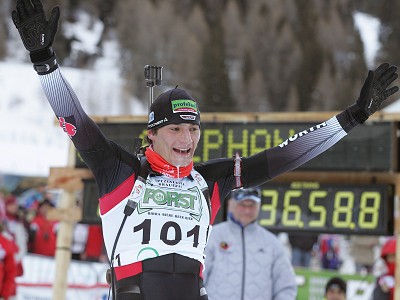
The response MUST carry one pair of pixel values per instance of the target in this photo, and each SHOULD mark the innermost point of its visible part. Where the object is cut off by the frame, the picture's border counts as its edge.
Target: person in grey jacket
(244, 261)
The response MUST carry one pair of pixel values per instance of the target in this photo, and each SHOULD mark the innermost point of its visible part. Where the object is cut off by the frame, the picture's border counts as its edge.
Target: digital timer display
(341, 209)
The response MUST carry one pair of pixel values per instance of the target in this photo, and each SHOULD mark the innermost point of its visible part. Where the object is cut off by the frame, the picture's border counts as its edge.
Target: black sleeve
(347, 120)
(296, 150)
(218, 173)
(109, 162)
(290, 154)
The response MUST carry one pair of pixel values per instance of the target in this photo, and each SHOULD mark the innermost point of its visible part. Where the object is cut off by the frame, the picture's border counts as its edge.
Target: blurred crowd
(363, 255)
(351, 254)
(26, 228)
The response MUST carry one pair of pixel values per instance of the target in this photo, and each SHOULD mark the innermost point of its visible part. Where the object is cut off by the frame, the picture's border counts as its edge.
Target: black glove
(374, 92)
(36, 32)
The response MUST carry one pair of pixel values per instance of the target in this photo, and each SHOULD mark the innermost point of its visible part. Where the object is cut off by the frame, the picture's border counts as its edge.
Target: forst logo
(162, 199)
(169, 198)
(184, 105)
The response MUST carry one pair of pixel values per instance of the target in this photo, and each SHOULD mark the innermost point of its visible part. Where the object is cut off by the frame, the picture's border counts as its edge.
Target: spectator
(15, 227)
(42, 233)
(79, 241)
(95, 249)
(8, 268)
(244, 260)
(385, 284)
(302, 247)
(2, 204)
(362, 250)
(33, 196)
(335, 289)
(329, 249)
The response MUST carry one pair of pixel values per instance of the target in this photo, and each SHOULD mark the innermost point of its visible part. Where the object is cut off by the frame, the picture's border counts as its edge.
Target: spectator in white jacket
(244, 261)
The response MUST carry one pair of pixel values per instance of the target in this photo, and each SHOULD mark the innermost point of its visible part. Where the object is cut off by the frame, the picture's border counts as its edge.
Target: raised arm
(38, 35)
(306, 144)
(102, 156)
(309, 143)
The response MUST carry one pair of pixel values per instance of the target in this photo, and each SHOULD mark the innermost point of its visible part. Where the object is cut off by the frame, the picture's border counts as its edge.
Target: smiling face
(176, 143)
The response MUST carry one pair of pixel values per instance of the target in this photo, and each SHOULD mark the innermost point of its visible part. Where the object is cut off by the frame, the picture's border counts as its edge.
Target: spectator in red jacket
(8, 268)
(42, 233)
(15, 230)
(95, 250)
(384, 289)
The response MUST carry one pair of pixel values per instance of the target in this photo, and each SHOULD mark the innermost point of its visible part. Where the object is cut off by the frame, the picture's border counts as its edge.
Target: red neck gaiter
(160, 165)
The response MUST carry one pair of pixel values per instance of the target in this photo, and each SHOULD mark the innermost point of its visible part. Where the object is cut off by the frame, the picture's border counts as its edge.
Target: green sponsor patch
(184, 105)
(162, 198)
(171, 199)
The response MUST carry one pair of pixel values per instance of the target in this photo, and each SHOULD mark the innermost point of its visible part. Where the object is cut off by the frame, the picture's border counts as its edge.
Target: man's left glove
(36, 32)
(374, 92)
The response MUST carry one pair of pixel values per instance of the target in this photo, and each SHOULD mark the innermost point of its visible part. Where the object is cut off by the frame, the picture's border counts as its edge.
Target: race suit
(167, 233)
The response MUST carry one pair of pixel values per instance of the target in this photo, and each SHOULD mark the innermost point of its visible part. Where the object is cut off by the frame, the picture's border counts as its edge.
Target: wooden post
(64, 239)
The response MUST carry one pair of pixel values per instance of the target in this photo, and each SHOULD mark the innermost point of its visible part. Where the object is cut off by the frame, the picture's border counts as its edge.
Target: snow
(393, 108)
(30, 140)
(85, 32)
(368, 26)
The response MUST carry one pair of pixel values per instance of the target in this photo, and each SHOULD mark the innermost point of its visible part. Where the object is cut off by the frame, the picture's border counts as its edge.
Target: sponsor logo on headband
(157, 123)
(188, 117)
(184, 106)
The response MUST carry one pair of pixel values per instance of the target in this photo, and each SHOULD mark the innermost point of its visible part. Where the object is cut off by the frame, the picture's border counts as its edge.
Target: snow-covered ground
(29, 132)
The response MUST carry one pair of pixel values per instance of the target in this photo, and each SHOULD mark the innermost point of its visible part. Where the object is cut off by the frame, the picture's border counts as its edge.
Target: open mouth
(182, 151)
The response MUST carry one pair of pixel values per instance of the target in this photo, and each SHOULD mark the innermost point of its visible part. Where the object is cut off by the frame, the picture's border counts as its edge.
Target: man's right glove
(37, 33)
(374, 92)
